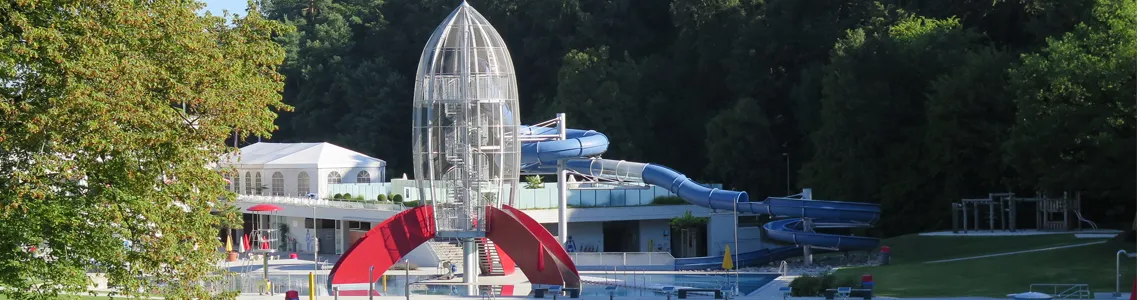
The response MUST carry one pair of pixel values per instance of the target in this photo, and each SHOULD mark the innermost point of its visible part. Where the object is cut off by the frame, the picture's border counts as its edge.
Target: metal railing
(1063, 291)
(308, 202)
(255, 283)
(621, 258)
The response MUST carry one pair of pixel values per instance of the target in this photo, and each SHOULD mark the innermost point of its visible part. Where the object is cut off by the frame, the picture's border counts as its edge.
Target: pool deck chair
(786, 291)
(555, 290)
(843, 292)
(668, 290)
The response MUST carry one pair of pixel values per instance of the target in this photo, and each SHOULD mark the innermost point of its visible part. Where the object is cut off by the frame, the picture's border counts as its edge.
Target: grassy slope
(914, 248)
(997, 276)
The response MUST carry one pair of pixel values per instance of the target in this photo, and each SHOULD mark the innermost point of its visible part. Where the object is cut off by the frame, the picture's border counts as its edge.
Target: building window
(248, 184)
(278, 182)
(363, 177)
(229, 186)
(334, 178)
(257, 183)
(356, 225)
(302, 184)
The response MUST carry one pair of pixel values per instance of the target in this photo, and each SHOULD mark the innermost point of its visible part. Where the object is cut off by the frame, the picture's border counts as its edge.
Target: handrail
(309, 202)
(1065, 290)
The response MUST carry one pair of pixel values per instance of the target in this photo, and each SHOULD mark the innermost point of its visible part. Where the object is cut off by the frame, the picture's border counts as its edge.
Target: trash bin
(868, 281)
(884, 255)
(293, 255)
(292, 295)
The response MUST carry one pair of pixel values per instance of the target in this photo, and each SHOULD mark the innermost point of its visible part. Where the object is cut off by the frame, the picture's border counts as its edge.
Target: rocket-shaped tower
(465, 123)
(466, 150)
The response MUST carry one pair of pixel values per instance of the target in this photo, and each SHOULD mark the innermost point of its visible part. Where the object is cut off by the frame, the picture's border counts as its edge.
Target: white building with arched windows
(299, 169)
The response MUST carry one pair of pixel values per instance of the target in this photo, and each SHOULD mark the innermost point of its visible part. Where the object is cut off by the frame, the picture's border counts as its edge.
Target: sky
(234, 6)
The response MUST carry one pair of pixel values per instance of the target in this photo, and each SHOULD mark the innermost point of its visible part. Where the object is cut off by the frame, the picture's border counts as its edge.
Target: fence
(301, 201)
(255, 283)
(611, 259)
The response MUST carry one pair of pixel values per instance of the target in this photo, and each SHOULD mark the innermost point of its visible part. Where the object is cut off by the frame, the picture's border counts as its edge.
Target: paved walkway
(1015, 252)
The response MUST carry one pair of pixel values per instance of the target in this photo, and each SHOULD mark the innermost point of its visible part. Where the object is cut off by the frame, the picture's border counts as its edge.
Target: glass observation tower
(465, 125)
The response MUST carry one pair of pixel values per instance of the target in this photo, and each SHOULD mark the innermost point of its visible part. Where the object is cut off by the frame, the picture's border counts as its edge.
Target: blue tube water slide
(581, 149)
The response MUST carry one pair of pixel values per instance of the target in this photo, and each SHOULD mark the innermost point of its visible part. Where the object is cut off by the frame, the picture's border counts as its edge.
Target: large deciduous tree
(1076, 111)
(111, 114)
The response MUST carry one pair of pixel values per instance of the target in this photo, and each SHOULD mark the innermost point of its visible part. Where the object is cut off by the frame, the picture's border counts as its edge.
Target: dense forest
(911, 104)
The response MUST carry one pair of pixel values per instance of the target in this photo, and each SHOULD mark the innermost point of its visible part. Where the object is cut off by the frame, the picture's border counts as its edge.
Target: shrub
(688, 221)
(381, 197)
(347, 196)
(338, 196)
(668, 200)
(359, 197)
(412, 203)
(814, 285)
(806, 286)
(534, 182)
(397, 198)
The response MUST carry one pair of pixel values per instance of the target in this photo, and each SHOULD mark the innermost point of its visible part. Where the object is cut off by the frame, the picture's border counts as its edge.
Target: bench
(684, 293)
(844, 293)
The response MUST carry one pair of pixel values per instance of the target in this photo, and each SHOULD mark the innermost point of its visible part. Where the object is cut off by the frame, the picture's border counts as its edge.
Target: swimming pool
(595, 284)
(651, 283)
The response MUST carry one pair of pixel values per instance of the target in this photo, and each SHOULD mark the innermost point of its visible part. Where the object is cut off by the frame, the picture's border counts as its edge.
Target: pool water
(654, 282)
(598, 282)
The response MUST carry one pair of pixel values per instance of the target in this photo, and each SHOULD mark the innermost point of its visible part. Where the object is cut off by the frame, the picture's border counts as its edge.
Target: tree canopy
(910, 104)
(111, 114)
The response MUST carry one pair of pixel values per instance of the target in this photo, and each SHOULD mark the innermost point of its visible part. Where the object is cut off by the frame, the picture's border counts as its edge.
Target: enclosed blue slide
(581, 148)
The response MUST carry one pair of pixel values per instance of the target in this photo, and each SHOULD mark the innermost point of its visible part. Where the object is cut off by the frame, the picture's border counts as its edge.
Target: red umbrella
(245, 243)
(264, 207)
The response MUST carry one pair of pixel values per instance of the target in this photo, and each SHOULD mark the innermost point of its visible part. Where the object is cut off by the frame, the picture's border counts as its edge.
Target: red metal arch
(382, 247)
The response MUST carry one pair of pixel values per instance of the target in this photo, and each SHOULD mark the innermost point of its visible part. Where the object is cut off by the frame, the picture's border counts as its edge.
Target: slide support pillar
(470, 261)
(806, 194)
(807, 249)
(562, 193)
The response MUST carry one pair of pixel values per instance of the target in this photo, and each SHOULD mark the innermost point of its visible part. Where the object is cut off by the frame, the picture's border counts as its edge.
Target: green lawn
(915, 248)
(997, 276)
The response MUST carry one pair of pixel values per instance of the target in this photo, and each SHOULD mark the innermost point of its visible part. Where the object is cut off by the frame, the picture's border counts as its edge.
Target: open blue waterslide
(581, 148)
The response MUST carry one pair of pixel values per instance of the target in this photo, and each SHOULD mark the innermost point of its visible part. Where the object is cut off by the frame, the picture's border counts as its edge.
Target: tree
(869, 144)
(110, 114)
(735, 138)
(1076, 112)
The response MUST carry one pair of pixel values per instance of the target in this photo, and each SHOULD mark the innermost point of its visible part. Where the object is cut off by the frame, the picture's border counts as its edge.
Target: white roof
(300, 155)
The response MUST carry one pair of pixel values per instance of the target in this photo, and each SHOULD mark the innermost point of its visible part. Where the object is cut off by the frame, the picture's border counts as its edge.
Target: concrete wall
(655, 233)
(586, 235)
(720, 232)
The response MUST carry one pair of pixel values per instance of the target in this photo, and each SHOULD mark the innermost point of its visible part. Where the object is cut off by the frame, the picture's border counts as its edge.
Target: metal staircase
(447, 251)
(489, 263)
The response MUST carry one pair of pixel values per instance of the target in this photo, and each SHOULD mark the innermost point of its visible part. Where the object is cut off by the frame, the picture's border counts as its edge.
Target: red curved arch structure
(520, 238)
(380, 248)
(531, 247)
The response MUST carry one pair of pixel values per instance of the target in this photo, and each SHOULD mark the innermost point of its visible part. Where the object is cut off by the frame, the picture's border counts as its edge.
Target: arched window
(302, 184)
(257, 183)
(363, 177)
(278, 182)
(248, 184)
(334, 177)
(229, 186)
